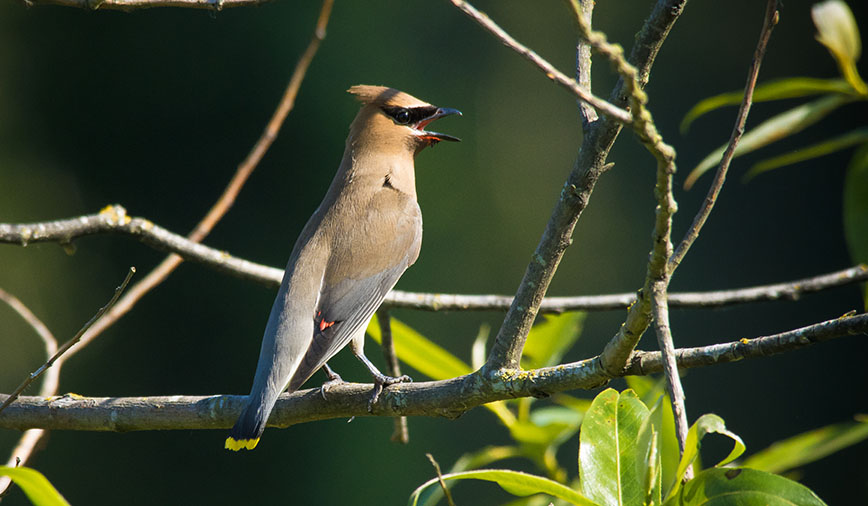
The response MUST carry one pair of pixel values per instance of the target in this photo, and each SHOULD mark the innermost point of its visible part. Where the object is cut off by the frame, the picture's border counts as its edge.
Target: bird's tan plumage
(364, 234)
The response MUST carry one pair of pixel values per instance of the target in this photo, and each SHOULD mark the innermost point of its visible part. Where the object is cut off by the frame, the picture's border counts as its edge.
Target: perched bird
(361, 238)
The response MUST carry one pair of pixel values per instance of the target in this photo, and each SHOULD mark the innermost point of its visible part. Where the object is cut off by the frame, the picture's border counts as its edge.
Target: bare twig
(443, 486)
(401, 434)
(69, 344)
(771, 19)
(449, 398)
(130, 5)
(550, 71)
(27, 443)
(584, 8)
(230, 193)
(114, 220)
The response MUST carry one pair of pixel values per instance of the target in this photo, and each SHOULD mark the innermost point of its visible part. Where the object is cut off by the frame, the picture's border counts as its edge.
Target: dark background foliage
(154, 109)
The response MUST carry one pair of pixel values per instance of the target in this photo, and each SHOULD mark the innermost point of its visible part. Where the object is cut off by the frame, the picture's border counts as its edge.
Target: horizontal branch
(449, 398)
(130, 5)
(114, 220)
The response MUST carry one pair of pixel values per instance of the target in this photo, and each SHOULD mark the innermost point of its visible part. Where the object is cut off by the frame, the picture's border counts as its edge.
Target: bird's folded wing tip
(239, 444)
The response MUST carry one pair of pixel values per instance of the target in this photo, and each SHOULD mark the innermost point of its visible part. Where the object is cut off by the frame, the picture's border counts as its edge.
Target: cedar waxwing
(361, 238)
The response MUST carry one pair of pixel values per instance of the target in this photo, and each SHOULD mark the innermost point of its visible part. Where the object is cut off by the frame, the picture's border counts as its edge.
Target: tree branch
(615, 112)
(131, 5)
(449, 398)
(114, 220)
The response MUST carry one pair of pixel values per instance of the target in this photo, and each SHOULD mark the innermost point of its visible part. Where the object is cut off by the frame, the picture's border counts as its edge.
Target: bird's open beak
(435, 137)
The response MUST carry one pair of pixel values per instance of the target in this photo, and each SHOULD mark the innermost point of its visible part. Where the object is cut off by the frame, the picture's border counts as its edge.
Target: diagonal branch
(448, 398)
(550, 71)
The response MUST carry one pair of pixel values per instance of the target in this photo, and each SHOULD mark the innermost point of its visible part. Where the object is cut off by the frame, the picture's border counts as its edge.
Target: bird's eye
(402, 116)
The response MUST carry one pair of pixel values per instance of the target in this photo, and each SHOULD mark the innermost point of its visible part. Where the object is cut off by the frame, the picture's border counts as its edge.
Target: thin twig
(550, 71)
(584, 8)
(114, 220)
(69, 344)
(772, 16)
(448, 398)
(443, 486)
(131, 5)
(27, 442)
(401, 434)
(230, 193)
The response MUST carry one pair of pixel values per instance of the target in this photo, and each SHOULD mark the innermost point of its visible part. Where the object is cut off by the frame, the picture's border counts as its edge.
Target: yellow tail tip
(239, 444)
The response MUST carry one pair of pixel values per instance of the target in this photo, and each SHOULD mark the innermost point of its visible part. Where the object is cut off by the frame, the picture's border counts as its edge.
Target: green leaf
(36, 487)
(705, 424)
(430, 359)
(743, 487)
(549, 340)
(856, 210)
(472, 460)
(837, 30)
(547, 426)
(775, 128)
(514, 482)
(613, 459)
(845, 141)
(778, 89)
(420, 353)
(807, 447)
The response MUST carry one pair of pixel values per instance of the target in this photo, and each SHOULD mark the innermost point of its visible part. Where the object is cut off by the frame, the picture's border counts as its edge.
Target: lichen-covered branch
(448, 398)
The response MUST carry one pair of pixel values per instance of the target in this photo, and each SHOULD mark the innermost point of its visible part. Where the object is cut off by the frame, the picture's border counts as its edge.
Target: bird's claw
(334, 380)
(382, 381)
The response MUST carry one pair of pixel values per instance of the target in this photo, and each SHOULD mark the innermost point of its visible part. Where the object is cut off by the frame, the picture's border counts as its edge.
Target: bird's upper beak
(435, 137)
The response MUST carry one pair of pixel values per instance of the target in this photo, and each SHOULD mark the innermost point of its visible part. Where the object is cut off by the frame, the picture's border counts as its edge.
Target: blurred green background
(154, 109)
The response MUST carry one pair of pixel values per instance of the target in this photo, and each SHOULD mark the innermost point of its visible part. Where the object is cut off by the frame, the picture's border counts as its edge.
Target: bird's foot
(334, 380)
(382, 381)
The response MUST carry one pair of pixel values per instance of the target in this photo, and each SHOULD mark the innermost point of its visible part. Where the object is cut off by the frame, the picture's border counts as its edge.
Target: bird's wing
(366, 260)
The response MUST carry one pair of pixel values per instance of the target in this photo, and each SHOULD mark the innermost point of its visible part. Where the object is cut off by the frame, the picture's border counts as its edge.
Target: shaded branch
(449, 398)
(550, 71)
(131, 5)
(114, 220)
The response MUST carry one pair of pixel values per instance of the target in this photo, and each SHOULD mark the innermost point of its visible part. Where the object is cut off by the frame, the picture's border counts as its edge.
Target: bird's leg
(380, 380)
(334, 379)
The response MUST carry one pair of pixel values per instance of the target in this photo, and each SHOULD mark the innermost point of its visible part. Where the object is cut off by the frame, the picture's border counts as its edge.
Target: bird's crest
(384, 96)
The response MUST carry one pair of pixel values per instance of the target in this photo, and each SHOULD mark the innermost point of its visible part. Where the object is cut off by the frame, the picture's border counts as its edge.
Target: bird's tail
(250, 425)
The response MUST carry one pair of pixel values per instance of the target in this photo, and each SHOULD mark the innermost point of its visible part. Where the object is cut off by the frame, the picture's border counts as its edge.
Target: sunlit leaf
(514, 482)
(477, 351)
(847, 140)
(36, 487)
(705, 424)
(788, 87)
(837, 30)
(775, 128)
(807, 447)
(613, 459)
(430, 359)
(550, 339)
(856, 210)
(472, 460)
(420, 353)
(741, 486)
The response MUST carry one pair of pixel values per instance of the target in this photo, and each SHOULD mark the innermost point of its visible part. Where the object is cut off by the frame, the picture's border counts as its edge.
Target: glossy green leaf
(705, 424)
(743, 487)
(550, 339)
(472, 460)
(856, 210)
(807, 447)
(547, 426)
(430, 359)
(837, 30)
(850, 139)
(613, 459)
(514, 482)
(788, 87)
(777, 127)
(420, 353)
(36, 487)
